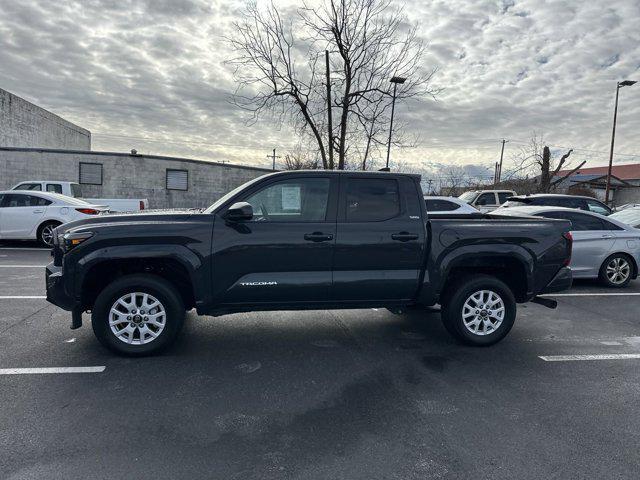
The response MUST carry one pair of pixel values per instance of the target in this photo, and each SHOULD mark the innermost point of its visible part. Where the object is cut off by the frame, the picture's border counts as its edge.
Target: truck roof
(343, 172)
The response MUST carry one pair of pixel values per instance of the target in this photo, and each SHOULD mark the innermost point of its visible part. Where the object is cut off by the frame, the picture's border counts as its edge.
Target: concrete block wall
(23, 124)
(127, 176)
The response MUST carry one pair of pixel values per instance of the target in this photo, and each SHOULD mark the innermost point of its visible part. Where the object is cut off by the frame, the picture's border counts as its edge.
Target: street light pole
(625, 83)
(395, 81)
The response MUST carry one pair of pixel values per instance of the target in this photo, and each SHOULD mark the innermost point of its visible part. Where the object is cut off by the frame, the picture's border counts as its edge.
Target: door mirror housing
(238, 212)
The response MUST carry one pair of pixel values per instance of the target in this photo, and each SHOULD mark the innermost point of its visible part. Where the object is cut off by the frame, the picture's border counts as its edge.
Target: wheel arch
(634, 263)
(100, 272)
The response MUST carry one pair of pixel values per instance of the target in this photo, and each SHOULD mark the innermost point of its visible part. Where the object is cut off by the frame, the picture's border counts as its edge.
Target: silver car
(603, 247)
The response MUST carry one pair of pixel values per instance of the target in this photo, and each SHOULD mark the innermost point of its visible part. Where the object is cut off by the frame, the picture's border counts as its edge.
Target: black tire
(456, 296)
(152, 285)
(624, 259)
(45, 227)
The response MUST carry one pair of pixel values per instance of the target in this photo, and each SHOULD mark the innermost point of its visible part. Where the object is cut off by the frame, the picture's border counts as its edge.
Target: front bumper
(562, 281)
(56, 293)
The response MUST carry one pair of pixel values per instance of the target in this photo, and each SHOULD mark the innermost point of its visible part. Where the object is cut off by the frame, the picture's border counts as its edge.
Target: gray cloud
(130, 70)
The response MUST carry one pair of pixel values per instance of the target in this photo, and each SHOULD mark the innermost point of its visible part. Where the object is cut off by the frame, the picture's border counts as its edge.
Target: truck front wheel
(138, 315)
(479, 310)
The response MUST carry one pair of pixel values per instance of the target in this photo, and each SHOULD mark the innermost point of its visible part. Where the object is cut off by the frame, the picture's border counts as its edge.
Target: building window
(90, 173)
(177, 179)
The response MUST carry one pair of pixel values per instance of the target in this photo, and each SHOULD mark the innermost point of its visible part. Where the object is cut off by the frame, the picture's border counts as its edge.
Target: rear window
(76, 190)
(372, 199)
(29, 186)
(581, 221)
(54, 187)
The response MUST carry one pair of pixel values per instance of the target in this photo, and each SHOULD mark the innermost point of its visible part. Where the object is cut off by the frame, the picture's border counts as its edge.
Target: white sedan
(448, 206)
(26, 215)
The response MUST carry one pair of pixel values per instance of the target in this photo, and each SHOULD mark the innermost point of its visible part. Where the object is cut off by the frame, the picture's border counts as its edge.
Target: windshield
(630, 216)
(229, 195)
(468, 197)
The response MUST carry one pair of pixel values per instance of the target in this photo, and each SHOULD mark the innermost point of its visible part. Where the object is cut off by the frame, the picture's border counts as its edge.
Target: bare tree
(301, 160)
(277, 68)
(535, 159)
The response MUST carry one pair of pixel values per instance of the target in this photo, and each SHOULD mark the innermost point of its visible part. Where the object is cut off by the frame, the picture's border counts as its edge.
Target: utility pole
(626, 83)
(273, 158)
(429, 182)
(329, 120)
(500, 166)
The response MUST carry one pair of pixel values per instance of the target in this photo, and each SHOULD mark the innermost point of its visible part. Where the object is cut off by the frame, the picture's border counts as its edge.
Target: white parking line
(606, 294)
(22, 297)
(26, 249)
(31, 371)
(22, 266)
(572, 358)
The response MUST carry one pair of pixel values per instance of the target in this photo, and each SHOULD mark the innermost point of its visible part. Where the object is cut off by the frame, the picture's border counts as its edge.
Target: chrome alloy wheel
(483, 312)
(137, 318)
(47, 234)
(618, 270)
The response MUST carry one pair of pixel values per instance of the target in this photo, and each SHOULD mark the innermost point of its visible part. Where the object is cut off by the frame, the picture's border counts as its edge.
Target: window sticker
(291, 198)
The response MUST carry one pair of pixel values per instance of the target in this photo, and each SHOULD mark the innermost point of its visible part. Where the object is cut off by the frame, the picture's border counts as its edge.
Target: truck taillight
(569, 238)
(88, 211)
(141, 204)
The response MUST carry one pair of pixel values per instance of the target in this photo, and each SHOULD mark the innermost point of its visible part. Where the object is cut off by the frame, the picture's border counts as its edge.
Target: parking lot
(345, 394)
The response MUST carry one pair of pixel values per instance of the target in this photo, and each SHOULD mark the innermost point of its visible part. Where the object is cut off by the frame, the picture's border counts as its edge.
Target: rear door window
(502, 197)
(372, 199)
(488, 198)
(19, 200)
(438, 205)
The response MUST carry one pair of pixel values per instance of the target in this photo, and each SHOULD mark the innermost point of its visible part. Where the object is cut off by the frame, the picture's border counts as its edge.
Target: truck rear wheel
(479, 310)
(138, 315)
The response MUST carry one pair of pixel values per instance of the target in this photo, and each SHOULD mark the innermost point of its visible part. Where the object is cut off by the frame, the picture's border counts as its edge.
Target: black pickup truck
(304, 240)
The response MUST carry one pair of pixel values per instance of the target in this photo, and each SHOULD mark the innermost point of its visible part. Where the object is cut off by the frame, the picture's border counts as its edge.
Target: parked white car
(603, 247)
(31, 215)
(629, 216)
(72, 189)
(486, 200)
(447, 206)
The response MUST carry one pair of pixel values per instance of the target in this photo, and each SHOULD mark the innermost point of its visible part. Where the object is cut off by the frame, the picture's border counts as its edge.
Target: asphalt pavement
(353, 394)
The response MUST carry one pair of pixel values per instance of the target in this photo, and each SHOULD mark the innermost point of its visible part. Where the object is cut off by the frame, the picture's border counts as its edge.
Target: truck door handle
(607, 235)
(318, 237)
(38, 211)
(404, 236)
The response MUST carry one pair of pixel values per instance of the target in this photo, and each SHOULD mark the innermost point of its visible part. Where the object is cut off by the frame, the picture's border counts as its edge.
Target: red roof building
(629, 171)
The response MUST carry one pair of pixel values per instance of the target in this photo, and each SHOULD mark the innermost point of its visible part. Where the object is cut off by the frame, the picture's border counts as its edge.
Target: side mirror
(239, 211)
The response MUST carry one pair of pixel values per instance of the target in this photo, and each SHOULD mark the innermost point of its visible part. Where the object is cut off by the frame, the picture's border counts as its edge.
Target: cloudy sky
(151, 75)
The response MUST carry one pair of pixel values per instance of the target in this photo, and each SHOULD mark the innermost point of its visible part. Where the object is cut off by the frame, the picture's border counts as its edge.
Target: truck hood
(116, 221)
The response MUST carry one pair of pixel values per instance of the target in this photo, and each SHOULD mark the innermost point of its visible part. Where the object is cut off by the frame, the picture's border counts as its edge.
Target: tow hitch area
(547, 302)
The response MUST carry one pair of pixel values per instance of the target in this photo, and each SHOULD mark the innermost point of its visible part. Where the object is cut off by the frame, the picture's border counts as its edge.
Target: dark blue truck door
(284, 254)
(379, 241)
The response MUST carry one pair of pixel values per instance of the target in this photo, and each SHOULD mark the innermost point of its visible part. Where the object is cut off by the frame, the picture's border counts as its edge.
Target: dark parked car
(298, 241)
(557, 200)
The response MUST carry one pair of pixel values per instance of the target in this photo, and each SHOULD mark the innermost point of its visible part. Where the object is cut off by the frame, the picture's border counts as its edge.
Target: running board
(545, 302)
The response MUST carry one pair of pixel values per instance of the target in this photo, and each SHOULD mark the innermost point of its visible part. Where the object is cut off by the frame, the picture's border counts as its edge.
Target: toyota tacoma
(303, 240)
